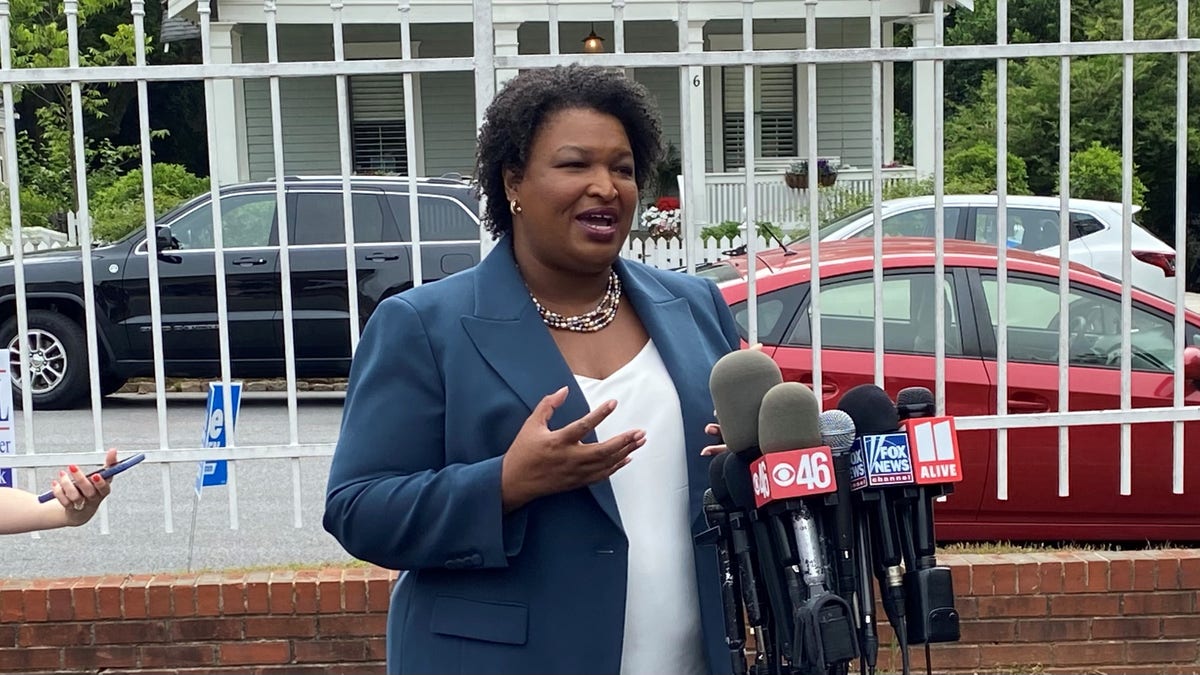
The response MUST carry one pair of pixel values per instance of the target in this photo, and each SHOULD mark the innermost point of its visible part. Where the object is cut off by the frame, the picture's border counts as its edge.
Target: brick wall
(1095, 612)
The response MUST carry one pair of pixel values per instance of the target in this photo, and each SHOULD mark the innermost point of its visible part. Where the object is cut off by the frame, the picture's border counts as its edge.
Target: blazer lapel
(669, 321)
(511, 337)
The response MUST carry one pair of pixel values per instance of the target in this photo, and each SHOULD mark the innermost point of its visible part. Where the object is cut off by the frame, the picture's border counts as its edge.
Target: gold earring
(515, 207)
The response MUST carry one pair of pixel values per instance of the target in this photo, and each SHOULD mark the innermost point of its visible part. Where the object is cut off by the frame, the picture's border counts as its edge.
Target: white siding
(309, 105)
(844, 95)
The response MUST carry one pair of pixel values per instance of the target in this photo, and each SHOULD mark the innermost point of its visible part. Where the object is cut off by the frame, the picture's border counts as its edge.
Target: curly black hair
(524, 104)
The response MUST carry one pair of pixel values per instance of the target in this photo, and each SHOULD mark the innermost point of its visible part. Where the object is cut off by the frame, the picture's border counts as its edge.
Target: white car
(1033, 225)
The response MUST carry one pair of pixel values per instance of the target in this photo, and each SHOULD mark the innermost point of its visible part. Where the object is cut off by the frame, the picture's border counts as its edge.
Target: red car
(1094, 510)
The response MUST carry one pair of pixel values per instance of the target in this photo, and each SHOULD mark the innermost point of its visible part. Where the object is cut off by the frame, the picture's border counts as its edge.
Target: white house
(445, 112)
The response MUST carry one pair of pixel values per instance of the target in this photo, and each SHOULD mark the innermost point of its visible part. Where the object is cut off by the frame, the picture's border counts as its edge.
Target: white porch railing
(776, 202)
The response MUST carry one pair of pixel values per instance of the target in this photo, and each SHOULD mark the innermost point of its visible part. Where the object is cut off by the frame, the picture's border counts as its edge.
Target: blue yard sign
(216, 472)
(8, 437)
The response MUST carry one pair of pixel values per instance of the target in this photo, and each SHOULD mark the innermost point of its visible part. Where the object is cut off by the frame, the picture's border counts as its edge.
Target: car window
(775, 312)
(1083, 224)
(848, 315)
(442, 218)
(318, 219)
(916, 223)
(246, 220)
(1028, 229)
(1094, 326)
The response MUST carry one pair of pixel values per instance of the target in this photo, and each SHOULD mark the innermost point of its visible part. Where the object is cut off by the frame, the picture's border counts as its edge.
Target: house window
(775, 109)
(377, 124)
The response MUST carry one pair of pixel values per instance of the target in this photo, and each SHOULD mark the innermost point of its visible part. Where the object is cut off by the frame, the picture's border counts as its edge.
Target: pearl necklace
(595, 320)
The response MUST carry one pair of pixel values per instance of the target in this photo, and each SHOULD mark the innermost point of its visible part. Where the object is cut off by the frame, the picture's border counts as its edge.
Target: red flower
(667, 203)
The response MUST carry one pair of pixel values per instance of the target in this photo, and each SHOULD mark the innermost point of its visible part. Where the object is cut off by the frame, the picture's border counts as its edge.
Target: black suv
(447, 212)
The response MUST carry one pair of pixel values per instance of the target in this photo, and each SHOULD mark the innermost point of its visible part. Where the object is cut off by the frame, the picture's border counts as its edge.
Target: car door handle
(1024, 406)
(381, 257)
(247, 261)
(828, 387)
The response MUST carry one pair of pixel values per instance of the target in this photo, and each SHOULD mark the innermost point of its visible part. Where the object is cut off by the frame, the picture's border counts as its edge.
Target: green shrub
(1096, 174)
(731, 229)
(117, 208)
(973, 171)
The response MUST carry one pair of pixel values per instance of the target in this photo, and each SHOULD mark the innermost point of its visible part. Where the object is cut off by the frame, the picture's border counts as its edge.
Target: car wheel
(57, 360)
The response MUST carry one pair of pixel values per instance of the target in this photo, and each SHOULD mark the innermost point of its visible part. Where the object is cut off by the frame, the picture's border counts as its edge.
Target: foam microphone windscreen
(871, 409)
(910, 396)
(787, 419)
(716, 480)
(739, 483)
(837, 430)
(738, 382)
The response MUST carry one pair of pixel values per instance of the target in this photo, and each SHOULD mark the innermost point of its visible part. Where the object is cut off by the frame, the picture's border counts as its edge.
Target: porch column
(889, 97)
(507, 44)
(230, 107)
(692, 152)
(924, 105)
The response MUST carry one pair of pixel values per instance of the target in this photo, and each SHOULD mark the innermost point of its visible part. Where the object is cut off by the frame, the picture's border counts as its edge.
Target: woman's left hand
(80, 495)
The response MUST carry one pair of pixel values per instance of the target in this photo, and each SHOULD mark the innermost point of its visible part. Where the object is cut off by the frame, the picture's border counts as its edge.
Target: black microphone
(882, 459)
(852, 554)
(793, 477)
(773, 598)
(929, 588)
(735, 630)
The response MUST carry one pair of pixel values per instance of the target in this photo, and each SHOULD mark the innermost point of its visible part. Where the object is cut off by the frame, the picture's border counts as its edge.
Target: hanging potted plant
(827, 173)
(796, 176)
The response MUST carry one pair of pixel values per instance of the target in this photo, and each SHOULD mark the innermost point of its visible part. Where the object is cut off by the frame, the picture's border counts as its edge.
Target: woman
(77, 497)
(525, 438)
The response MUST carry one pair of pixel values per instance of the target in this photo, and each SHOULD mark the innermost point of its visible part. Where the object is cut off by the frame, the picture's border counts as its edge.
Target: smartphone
(105, 473)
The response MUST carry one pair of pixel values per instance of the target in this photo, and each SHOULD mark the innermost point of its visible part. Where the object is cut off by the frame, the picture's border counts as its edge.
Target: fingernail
(72, 468)
(96, 478)
(62, 474)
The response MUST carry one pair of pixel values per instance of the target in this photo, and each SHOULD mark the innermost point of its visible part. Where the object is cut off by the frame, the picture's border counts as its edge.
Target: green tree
(1096, 174)
(45, 139)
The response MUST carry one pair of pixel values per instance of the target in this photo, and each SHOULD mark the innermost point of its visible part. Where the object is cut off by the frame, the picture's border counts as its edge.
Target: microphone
(881, 459)
(735, 630)
(838, 432)
(774, 603)
(738, 382)
(929, 588)
(795, 465)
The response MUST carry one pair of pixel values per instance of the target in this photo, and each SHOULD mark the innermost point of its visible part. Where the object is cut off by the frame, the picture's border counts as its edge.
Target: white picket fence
(672, 253)
(36, 239)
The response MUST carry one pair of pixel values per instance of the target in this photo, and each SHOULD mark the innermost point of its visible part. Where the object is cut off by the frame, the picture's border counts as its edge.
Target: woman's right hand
(541, 462)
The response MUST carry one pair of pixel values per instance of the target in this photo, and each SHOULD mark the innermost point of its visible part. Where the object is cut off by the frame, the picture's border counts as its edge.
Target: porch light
(593, 44)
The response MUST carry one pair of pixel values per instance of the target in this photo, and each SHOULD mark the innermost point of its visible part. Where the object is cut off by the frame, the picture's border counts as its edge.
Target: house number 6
(696, 81)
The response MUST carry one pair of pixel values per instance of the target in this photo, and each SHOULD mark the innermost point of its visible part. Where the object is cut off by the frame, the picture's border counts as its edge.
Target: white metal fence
(488, 64)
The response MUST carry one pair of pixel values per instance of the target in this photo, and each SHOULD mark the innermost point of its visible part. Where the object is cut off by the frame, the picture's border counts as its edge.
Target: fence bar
(485, 85)
(285, 258)
(749, 143)
(160, 378)
(204, 8)
(939, 216)
(814, 218)
(14, 208)
(1064, 258)
(84, 221)
(877, 192)
(618, 8)
(1126, 243)
(344, 159)
(552, 26)
(690, 204)
(1002, 240)
(1181, 266)
(410, 146)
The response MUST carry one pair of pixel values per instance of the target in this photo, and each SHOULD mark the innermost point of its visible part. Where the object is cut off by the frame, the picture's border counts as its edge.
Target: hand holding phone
(105, 473)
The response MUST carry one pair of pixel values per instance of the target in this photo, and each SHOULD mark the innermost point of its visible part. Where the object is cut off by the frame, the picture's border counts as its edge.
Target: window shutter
(377, 124)
(775, 106)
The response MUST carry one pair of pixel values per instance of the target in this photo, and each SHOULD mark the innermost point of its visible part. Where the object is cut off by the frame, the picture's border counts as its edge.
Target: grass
(1043, 547)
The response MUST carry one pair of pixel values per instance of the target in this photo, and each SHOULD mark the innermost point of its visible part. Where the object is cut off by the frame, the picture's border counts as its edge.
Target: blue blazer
(444, 377)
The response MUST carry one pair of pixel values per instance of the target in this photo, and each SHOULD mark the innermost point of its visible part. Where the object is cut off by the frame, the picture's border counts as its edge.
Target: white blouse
(662, 607)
